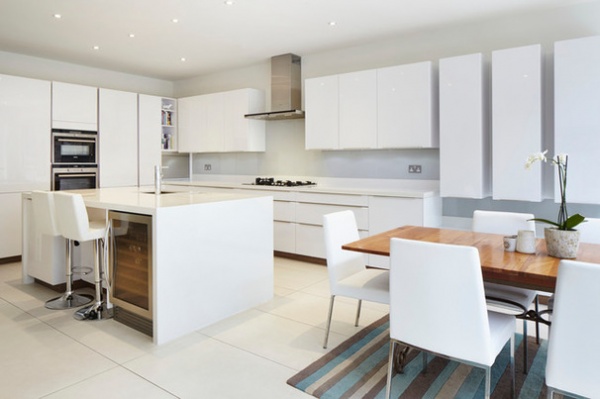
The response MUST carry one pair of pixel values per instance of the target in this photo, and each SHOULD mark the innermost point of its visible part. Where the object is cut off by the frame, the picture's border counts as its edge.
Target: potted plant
(562, 240)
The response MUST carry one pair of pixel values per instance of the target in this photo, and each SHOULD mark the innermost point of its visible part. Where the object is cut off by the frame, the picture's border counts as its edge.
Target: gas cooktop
(269, 181)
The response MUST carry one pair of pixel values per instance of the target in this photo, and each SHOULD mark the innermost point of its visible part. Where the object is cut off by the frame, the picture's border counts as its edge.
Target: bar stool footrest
(68, 301)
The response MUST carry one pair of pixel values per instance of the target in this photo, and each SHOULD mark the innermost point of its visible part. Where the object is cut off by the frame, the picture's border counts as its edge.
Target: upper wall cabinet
(322, 105)
(118, 138)
(358, 110)
(216, 122)
(465, 166)
(24, 134)
(393, 107)
(74, 107)
(406, 106)
(516, 122)
(577, 114)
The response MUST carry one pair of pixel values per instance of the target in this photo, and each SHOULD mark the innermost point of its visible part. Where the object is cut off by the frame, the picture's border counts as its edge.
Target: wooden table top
(535, 271)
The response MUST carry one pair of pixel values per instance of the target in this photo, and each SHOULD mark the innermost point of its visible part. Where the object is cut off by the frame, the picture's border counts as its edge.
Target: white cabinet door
(516, 122)
(189, 123)
(10, 228)
(577, 115)
(239, 133)
(24, 134)
(358, 109)
(284, 237)
(118, 138)
(149, 135)
(465, 162)
(310, 241)
(321, 100)
(406, 98)
(74, 107)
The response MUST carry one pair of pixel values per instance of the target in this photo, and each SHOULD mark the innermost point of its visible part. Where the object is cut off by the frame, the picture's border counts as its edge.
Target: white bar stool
(73, 224)
(45, 222)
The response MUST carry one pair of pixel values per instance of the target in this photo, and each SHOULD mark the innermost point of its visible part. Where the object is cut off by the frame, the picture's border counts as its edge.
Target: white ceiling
(212, 35)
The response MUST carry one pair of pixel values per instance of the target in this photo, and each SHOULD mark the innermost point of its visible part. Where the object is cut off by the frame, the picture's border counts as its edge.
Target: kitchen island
(212, 253)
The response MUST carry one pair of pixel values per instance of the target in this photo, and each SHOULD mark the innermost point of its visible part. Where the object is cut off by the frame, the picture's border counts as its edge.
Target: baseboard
(10, 259)
(302, 258)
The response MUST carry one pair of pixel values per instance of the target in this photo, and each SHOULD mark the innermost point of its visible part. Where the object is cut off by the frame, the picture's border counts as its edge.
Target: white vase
(562, 244)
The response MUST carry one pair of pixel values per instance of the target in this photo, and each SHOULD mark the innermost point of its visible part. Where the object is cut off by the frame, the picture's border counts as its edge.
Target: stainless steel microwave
(74, 148)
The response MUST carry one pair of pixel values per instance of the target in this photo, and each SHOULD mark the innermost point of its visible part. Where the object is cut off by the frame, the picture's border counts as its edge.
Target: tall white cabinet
(118, 138)
(577, 115)
(149, 137)
(24, 151)
(74, 107)
(516, 122)
(465, 166)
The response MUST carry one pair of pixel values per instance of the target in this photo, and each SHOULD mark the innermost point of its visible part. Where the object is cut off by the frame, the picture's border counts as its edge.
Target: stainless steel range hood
(285, 89)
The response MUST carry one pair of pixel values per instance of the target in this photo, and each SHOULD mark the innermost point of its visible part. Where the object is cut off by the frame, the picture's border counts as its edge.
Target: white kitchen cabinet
(465, 161)
(149, 136)
(406, 106)
(118, 138)
(577, 115)
(321, 100)
(74, 107)
(168, 122)
(516, 122)
(24, 134)
(10, 229)
(284, 237)
(358, 110)
(216, 123)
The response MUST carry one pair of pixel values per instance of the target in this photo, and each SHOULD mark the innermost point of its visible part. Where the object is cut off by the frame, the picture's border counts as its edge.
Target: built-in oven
(74, 147)
(74, 177)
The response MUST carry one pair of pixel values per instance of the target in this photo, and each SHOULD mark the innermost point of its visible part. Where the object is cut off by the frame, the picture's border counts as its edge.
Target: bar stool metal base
(97, 311)
(68, 301)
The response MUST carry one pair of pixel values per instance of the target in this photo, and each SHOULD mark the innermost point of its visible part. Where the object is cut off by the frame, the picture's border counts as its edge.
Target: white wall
(45, 69)
(285, 140)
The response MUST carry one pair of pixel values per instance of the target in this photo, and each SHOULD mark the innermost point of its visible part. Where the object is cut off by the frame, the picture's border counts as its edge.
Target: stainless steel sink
(162, 192)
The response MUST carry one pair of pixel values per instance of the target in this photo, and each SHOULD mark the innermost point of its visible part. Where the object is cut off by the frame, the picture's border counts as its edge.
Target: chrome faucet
(158, 178)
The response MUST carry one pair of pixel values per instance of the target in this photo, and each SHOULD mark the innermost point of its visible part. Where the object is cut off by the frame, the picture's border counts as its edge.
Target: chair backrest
(589, 231)
(437, 300)
(573, 345)
(505, 223)
(340, 228)
(71, 216)
(43, 212)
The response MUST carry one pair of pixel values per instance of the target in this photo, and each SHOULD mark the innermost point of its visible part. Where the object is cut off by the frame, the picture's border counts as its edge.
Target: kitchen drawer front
(278, 195)
(310, 241)
(284, 237)
(334, 199)
(313, 214)
(284, 211)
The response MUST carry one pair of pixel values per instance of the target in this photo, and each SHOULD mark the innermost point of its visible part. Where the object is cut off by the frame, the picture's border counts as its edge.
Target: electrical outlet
(207, 166)
(414, 168)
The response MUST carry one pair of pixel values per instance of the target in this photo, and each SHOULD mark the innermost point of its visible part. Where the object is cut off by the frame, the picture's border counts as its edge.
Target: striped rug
(357, 369)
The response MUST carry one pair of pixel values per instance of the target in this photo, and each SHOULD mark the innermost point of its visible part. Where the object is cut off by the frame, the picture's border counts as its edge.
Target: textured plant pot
(562, 244)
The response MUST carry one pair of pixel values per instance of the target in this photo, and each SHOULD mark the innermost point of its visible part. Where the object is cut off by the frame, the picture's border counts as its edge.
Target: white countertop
(143, 200)
(377, 187)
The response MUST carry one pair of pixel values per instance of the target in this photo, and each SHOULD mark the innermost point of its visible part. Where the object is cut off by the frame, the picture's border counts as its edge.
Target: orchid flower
(540, 156)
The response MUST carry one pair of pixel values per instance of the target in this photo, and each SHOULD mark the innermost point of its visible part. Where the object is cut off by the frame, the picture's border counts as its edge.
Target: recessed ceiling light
(174, 20)
(182, 59)
(132, 35)
(331, 23)
(228, 2)
(57, 16)
(96, 47)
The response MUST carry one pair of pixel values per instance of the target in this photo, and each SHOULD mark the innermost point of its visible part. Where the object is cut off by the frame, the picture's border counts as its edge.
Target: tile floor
(49, 354)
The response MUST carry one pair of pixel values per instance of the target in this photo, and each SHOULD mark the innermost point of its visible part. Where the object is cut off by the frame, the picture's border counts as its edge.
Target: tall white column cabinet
(516, 122)
(118, 138)
(74, 107)
(465, 165)
(24, 151)
(407, 106)
(149, 137)
(577, 115)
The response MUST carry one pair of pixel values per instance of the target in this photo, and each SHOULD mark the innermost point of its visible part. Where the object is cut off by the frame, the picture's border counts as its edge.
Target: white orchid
(539, 156)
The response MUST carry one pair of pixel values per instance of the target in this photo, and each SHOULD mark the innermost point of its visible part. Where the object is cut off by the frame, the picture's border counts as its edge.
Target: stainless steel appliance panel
(74, 178)
(74, 148)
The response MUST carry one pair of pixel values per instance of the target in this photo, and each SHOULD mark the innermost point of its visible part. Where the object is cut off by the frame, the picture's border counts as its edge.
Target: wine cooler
(131, 269)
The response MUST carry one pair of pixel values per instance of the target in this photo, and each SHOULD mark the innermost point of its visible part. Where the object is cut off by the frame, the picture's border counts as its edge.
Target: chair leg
(512, 366)
(424, 362)
(550, 393)
(488, 379)
(525, 358)
(537, 323)
(358, 313)
(331, 300)
(388, 384)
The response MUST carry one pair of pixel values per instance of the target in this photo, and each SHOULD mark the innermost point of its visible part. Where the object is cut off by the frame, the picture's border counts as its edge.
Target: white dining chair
(45, 222)
(348, 275)
(73, 224)
(501, 297)
(573, 345)
(437, 305)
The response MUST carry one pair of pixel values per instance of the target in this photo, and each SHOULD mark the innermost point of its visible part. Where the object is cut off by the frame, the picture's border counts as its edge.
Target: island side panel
(211, 261)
